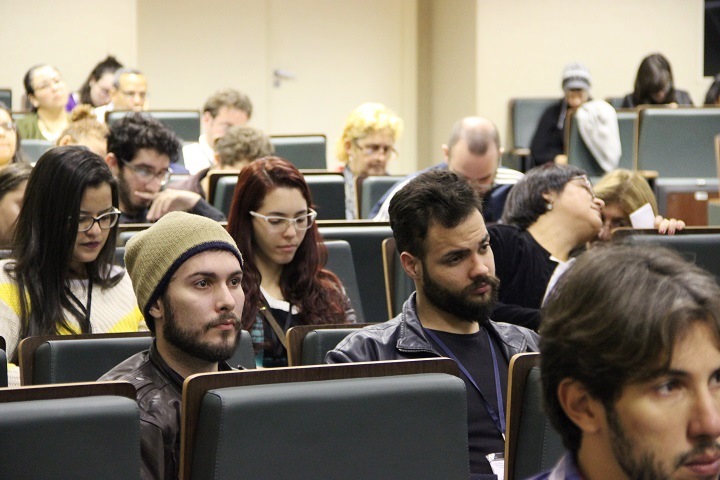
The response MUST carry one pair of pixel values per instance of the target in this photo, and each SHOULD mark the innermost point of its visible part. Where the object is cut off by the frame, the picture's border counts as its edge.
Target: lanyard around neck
(84, 308)
(497, 417)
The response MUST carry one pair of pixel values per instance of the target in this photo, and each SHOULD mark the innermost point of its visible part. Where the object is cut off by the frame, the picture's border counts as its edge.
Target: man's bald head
(473, 151)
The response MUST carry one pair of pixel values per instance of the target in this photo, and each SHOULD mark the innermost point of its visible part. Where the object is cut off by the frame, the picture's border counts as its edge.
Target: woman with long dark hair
(99, 85)
(273, 223)
(654, 85)
(60, 279)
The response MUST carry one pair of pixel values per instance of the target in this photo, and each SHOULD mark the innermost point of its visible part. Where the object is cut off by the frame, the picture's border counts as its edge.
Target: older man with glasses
(140, 150)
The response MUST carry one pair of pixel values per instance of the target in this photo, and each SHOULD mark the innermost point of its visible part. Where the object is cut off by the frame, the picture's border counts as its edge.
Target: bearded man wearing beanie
(186, 271)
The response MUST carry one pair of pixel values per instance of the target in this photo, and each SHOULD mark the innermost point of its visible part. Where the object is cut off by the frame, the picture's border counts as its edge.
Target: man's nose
(705, 419)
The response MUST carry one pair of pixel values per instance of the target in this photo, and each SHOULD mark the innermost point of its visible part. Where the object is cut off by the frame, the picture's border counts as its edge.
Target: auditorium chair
(350, 421)
(308, 344)
(303, 151)
(84, 430)
(532, 445)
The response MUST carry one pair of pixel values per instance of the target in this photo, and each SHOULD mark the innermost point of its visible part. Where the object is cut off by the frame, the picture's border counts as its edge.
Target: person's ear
(157, 310)
(33, 101)
(446, 152)
(112, 162)
(412, 265)
(66, 140)
(549, 197)
(584, 410)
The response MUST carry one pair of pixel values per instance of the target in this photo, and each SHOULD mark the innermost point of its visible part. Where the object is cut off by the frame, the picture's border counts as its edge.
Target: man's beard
(643, 465)
(460, 304)
(191, 342)
(129, 207)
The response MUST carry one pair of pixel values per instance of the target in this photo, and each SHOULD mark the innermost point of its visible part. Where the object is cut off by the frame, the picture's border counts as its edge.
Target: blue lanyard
(498, 419)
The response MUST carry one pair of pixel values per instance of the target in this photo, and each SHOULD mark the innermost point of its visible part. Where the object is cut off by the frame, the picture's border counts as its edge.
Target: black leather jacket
(402, 338)
(159, 398)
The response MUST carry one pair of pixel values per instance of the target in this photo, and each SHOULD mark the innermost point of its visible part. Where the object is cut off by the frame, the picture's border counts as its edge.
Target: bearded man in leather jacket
(445, 248)
(186, 271)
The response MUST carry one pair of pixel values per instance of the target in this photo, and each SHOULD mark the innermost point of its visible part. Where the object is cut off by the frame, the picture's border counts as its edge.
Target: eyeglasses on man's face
(280, 224)
(7, 127)
(105, 221)
(147, 174)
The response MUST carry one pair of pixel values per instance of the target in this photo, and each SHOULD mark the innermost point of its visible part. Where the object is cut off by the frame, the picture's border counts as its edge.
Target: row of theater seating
(674, 142)
(532, 445)
(330, 421)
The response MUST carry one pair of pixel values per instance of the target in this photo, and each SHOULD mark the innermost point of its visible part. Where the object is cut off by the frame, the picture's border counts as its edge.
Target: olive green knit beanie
(152, 256)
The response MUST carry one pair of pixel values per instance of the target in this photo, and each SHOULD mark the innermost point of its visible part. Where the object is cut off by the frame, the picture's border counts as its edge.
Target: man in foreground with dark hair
(140, 150)
(631, 367)
(186, 272)
(445, 248)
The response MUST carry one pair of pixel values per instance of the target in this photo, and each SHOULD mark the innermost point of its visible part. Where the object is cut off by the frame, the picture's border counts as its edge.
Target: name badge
(497, 464)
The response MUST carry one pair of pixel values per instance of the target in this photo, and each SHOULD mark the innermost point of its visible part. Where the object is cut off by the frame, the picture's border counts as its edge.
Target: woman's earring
(549, 206)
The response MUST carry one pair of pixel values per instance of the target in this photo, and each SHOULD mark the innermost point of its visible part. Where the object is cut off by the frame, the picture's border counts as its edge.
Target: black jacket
(403, 338)
(159, 398)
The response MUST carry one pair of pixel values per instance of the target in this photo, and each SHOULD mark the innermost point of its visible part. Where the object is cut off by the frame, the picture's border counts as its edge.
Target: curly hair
(365, 119)
(136, 131)
(242, 143)
(83, 123)
(230, 98)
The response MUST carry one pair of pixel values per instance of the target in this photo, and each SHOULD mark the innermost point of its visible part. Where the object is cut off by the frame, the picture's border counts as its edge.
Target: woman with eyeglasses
(285, 284)
(366, 146)
(48, 94)
(550, 213)
(60, 279)
(654, 85)
(99, 85)
(9, 138)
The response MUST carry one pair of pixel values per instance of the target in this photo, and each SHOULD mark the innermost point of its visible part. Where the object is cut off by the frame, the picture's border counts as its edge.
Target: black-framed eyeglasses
(7, 126)
(147, 174)
(104, 221)
(374, 148)
(280, 224)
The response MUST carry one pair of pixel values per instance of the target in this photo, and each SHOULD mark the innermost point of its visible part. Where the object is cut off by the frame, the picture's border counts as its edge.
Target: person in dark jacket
(445, 248)
(186, 271)
(549, 139)
(654, 85)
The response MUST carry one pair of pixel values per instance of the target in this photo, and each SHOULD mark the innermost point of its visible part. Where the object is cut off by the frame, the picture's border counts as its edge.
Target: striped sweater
(113, 310)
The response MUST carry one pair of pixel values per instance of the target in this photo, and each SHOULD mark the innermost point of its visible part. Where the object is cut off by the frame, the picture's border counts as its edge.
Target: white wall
(522, 46)
(73, 35)
(189, 48)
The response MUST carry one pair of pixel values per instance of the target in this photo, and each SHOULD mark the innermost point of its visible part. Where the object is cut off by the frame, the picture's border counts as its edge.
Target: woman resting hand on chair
(272, 221)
